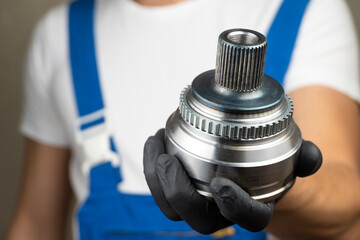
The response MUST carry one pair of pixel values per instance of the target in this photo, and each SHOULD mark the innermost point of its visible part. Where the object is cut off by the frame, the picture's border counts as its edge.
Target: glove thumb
(309, 161)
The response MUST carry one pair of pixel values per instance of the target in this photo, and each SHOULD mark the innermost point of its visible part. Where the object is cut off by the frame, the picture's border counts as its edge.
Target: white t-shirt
(147, 55)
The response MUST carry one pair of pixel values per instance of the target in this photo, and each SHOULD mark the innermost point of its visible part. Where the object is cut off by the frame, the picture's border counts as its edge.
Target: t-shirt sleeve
(41, 120)
(326, 51)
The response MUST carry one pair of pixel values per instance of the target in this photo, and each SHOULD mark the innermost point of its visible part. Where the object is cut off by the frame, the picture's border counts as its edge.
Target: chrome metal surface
(211, 94)
(244, 133)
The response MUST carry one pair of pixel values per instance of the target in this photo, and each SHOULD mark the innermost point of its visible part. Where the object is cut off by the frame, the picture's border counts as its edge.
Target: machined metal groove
(267, 195)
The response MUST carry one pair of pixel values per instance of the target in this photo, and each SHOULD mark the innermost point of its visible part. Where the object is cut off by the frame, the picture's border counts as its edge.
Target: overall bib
(107, 213)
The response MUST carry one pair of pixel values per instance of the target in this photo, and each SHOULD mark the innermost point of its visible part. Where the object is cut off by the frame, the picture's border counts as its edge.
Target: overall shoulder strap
(91, 129)
(282, 37)
(84, 69)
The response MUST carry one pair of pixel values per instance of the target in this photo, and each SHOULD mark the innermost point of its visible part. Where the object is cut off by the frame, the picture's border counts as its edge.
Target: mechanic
(101, 76)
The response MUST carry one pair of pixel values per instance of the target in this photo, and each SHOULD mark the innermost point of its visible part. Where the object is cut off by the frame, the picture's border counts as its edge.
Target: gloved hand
(178, 199)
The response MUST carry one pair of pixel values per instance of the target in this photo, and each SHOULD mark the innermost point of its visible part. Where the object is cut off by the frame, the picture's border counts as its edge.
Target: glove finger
(154, 147)
(309, 161)
(200, 214)
(237, 205)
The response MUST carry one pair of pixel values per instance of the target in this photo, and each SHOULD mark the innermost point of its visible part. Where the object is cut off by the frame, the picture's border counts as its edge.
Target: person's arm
(327, 204)
(45, 194)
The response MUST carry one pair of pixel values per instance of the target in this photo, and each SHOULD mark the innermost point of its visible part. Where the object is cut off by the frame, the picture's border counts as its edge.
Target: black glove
(178, 199)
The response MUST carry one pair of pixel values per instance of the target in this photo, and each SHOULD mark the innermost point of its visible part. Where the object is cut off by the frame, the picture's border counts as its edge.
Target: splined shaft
(240, 60)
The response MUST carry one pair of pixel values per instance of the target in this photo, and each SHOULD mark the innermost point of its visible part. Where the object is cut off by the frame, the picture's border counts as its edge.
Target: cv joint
(236, 122)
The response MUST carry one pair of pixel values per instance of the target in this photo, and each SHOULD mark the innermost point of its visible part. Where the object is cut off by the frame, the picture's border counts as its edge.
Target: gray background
(17, 19)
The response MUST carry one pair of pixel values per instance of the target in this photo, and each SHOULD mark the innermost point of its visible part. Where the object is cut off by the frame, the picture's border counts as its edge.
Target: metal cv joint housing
(236, 122)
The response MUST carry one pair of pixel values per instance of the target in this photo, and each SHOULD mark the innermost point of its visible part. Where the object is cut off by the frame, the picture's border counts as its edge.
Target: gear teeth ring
(234, 131)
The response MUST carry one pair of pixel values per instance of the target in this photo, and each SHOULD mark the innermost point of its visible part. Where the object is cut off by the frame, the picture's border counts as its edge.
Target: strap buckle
(93, 134)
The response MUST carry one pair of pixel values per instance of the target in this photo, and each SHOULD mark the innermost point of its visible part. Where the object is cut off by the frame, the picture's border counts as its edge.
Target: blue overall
(107, 213)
